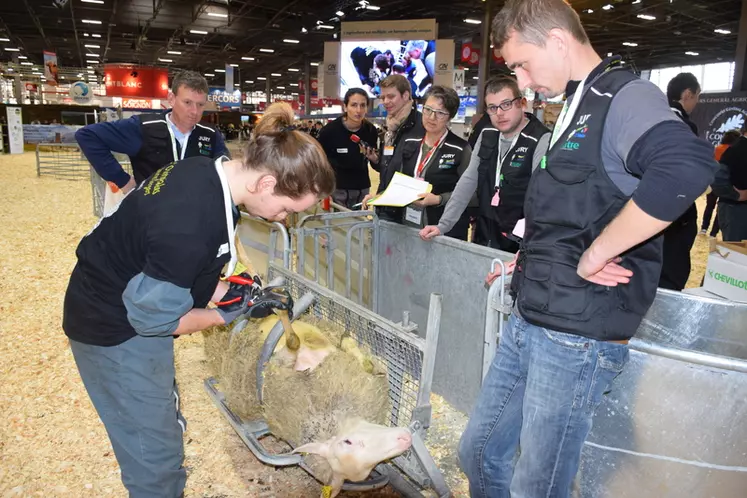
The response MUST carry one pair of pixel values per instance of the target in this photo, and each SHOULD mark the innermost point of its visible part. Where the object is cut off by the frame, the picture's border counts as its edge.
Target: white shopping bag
(112, 198)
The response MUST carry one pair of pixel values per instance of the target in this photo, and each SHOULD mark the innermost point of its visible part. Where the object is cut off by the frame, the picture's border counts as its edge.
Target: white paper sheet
(402, 190)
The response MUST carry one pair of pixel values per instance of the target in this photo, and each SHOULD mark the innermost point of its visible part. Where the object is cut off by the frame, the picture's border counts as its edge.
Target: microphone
(355, 138)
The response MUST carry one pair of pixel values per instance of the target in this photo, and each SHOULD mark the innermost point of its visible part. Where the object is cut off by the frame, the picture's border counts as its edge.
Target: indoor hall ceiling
(144, 31)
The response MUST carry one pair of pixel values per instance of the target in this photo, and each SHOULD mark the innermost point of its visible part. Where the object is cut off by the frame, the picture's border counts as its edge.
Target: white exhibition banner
(331, 69)
(406, 29)
(444, 63)
(15, 130)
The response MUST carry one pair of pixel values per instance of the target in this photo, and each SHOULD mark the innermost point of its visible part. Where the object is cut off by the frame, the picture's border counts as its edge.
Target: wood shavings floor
(52, 443)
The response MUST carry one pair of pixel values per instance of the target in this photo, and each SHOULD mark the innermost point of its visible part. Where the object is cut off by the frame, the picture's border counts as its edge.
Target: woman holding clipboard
(438, 157)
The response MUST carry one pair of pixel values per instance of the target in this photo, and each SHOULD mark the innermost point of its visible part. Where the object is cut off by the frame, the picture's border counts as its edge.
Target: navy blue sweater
(98, 141)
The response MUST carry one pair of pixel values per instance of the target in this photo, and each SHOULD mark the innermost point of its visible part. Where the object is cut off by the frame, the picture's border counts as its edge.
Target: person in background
(683, 92)
(154, 140)
(731, 189)
(146, 273)
(505, 156)
(402, 117)
(437, 156)
(316, 129)
(729, 138)
(348, 158)
(620, 167)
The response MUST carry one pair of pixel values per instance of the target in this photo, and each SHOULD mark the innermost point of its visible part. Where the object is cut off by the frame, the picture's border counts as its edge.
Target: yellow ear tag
(326, 491)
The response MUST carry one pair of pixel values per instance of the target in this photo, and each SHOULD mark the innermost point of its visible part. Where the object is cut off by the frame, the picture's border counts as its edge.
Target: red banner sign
(136, 81)
(31, 87)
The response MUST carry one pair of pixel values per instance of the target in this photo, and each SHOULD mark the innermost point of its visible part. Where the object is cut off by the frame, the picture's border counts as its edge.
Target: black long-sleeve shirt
(345, 156)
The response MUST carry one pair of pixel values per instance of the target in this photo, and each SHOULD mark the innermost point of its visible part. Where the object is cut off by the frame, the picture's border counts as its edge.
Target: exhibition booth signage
(136, 81)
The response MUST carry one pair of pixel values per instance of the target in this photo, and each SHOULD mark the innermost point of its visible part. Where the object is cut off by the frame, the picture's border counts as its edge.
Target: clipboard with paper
(402, 190)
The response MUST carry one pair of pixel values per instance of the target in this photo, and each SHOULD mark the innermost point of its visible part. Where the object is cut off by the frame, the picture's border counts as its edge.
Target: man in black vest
(620, 168)
(683, 92)
(502, 163)
(154, 140)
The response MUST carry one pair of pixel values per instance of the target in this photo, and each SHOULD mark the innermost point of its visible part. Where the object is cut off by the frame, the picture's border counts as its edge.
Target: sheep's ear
(321, 449)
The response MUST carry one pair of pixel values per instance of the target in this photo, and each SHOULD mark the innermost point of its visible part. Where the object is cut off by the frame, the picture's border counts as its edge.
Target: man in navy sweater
(154, 140)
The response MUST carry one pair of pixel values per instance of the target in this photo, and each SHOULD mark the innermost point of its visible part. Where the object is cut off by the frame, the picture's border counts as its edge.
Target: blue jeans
(132, 388)
(537, 399)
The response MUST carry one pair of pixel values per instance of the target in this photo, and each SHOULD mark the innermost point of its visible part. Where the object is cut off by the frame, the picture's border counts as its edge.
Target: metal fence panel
(61, 161)
(410, 269)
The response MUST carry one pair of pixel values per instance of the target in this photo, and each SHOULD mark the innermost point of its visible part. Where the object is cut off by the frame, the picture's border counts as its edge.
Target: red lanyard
(421, 164)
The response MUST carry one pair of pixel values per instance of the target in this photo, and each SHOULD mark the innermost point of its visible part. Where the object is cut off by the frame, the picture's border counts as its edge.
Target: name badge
(388, 150)
(414, 216)
(342, 151)
(496, 198)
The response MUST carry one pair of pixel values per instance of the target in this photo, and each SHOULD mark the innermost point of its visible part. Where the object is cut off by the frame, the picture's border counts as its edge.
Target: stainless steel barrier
(260, 240)
(340, 251)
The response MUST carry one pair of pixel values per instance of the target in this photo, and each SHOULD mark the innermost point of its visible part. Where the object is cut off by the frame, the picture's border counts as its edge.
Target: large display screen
(365, 63)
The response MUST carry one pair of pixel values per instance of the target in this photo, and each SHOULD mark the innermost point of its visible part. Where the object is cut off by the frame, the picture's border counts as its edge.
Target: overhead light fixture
(261, 78)
(475, 78)
(79, 75)
(90, 21)
(314, 64)
(290, 40)
(96, 35)
(86, 34)
(373, 7)
(630, 44)
(277, 75)
(165, 60)
(27, 63)
(639, 1)
(100, 2)
(217, 14)
(609, 54)
(209, 74)
(92, 46)
(294, 93)
(173, 52)
(293, 70)
(4, 39)
(89, 71)
(22, 57)
(36, 73)
(325, 26)
(267, 50)
(647, 17)
(473, 21)
(609, 6)
(304, 30)
(12, 49)
(589, 11)
(339, 13)
(92, 56)
(219, 70)
(280, 87)
(722, 31)
(247, 58)
(294, 84)
(197, 32)
(249, 81)
(691, 53)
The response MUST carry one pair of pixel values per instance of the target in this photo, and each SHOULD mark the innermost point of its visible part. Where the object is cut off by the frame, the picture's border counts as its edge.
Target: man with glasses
(502, 163)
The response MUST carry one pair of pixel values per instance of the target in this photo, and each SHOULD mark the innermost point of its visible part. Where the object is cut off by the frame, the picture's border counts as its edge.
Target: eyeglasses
(506, 105)
(430, 112)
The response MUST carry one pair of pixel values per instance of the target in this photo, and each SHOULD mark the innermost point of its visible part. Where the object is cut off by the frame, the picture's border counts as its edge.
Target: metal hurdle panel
(61, 161)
